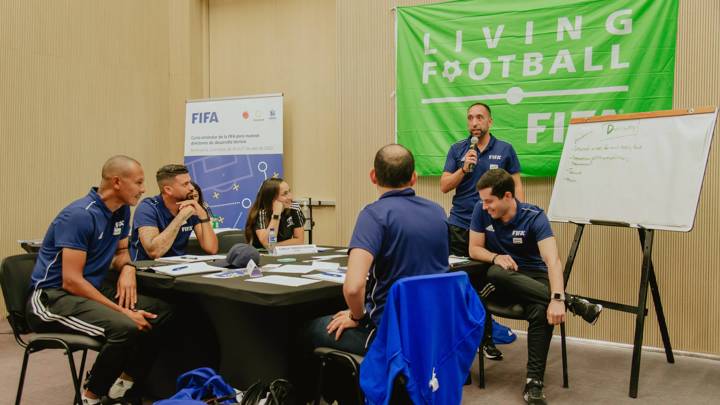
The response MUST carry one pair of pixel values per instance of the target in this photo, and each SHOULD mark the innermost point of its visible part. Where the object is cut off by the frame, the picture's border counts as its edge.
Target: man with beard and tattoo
(162, 224)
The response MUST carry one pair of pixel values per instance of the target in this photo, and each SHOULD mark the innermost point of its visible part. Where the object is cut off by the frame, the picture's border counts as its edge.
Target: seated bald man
(389, 243)
(70, 293)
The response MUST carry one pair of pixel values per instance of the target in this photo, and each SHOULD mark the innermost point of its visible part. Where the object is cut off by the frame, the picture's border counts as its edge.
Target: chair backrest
(434, 322)
(193, 247)
(15, 273)
(228, 239)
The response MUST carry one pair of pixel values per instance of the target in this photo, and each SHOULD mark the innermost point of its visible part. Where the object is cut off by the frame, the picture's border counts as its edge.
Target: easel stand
(647, 278)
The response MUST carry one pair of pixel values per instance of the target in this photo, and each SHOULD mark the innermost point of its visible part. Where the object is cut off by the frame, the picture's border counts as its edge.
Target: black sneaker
(584, 308)
(533, 393)
(491, 352)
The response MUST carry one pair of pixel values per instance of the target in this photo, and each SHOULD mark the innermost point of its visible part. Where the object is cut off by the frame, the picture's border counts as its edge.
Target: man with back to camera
(466, 161)
(163, 223)
(516, 238)
(389, 240)
(70, 292)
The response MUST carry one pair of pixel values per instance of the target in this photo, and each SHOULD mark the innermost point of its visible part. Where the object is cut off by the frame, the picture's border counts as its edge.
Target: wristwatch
(276, 216)
(558, 297)
(357, 320)
(202, 221)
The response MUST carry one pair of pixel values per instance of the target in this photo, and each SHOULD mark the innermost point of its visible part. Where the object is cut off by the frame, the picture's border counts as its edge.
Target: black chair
(516, 311)
(193, 247)
(15, 273)
(349, 363)
(228, 239)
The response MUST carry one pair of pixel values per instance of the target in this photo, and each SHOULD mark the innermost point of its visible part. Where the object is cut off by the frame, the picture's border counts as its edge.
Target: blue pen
(179, 268)
(332, 274)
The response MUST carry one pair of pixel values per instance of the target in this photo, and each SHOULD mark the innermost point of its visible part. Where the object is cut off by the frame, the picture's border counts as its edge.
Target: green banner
(537, 63)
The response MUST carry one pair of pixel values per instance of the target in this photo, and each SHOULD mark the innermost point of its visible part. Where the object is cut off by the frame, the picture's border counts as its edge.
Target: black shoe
(587, 310)
(533, 393)
(491, 352)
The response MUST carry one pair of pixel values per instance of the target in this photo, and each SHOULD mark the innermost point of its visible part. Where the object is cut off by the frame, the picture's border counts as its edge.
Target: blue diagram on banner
(230, 183)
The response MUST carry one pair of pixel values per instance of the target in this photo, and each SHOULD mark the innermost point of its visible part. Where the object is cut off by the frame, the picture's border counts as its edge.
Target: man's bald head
(118, 166)
(123, 179)
(394, 166)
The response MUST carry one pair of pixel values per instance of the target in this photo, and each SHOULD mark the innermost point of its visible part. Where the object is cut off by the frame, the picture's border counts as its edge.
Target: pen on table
(331, 274)
(179, 268)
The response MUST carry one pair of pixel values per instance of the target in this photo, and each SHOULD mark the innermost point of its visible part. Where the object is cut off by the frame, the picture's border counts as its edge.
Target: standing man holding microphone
(467, 160)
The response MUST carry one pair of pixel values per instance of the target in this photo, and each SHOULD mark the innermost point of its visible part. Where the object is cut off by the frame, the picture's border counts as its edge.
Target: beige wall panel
(608, 265)
(289, 47)
(365, 84)
(81, 81)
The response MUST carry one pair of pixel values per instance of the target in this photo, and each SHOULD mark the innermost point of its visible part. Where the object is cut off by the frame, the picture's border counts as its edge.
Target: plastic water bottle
(272, 240)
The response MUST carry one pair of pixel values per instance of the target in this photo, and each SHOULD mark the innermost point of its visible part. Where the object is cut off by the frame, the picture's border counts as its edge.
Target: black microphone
(473, 145)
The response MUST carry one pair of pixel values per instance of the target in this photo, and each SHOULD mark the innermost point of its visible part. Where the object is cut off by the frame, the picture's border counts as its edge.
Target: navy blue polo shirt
(497, 155)
(406, 235)
(518, 238)
(88, 225)
(153, 212)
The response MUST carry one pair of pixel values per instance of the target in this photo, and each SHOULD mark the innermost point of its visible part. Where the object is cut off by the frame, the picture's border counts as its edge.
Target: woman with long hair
(197, 195)
(274, 209)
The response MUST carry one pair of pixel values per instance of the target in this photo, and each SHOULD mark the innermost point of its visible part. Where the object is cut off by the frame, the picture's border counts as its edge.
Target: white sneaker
(119, 388)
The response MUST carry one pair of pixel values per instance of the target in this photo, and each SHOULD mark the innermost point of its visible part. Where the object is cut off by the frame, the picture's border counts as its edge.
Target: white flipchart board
(640, 170)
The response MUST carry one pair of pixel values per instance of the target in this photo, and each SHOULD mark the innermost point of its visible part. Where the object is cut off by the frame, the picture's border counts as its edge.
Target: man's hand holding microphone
(471, 156)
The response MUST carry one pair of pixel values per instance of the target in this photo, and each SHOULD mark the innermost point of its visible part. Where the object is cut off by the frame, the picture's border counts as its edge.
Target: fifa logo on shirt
(186, 228)
(118, 228)
(517, 237)
(494, 157)
(204, 117)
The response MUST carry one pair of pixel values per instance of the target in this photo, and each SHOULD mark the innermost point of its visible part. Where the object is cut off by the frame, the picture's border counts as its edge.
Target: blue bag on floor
(199, 384)
(501, 334)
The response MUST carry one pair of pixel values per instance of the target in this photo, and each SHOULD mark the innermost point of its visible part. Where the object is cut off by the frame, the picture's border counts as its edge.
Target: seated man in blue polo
(162, 224)
(70, 292)
(397, 236)
(516, 238)
(466, 161)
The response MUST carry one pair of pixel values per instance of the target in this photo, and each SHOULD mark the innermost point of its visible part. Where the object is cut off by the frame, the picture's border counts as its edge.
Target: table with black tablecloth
(258, 326)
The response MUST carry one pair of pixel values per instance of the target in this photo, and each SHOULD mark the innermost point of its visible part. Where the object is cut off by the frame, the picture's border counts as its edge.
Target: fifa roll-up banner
(231, 146)
(537, 63)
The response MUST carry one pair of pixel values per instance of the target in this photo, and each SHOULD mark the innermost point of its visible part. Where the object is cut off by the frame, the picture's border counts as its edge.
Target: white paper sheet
(283, 280)
(290, 269)
(457, 259)
(328, 257)
(332, 276)
(186, 268)
(322, 265)
(189, 258)
(228, 274)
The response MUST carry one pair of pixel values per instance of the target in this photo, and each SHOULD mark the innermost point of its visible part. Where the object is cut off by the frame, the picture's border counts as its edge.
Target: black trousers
(531, 289)
(459, 239)
(126, 349)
